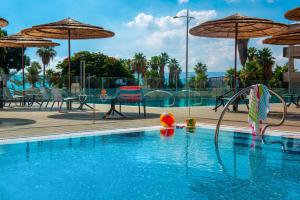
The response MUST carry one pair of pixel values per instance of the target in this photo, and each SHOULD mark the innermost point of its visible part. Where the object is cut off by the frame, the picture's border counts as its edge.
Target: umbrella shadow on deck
(9, 122)
(100, 116)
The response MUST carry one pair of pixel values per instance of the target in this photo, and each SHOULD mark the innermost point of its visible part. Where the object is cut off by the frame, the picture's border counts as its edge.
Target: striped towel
(259, 107)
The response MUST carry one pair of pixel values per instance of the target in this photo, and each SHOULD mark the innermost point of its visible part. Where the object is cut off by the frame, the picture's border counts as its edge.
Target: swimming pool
(148, 165)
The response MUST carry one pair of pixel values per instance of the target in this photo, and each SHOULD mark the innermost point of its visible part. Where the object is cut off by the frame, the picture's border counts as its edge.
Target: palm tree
(46, 54)
(32, 74)
(139, 64)
(154, 63)
(164, 59)
(200, 68)
(173, 71)
(252, 53)
(266, 61)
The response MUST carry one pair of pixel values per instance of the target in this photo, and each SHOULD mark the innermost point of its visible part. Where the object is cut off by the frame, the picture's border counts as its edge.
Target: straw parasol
(237, 27)
(3, 22)
(68, 29)
(21, 41)
(290, 37)
(293, 14)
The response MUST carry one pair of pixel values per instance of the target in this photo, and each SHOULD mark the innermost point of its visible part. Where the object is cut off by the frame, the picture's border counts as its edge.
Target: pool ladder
(239, 94)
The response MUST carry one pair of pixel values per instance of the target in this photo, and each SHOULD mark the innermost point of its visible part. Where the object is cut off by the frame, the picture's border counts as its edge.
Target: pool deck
(31, 122)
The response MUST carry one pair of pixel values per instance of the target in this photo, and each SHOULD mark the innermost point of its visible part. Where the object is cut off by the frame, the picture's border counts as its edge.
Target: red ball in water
(167, 132)
(167, 119)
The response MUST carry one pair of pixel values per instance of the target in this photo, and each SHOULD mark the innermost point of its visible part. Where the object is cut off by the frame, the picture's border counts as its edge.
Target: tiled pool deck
(31, 122)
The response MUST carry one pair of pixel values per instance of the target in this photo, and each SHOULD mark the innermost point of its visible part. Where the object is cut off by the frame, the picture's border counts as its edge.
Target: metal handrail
(265, 127)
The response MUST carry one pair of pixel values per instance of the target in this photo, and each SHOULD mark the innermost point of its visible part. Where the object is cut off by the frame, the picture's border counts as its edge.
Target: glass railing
(158, 92)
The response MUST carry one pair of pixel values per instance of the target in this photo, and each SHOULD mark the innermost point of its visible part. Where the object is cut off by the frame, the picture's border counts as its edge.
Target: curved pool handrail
(189, 91)
(264, 129)
(165, 92)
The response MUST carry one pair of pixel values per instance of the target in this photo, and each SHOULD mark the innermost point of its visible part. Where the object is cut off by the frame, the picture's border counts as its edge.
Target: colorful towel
(259, 107)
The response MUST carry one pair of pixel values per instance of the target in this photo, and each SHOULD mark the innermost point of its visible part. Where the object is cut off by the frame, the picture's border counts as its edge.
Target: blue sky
(146, 25)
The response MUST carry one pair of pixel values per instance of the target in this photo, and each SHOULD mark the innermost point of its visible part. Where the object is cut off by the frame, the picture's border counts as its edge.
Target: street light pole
(187, 48)
(188, 19)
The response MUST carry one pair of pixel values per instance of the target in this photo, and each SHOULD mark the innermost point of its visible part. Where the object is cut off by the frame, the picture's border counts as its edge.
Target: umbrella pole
(235, 58)
(69, 55)
(23, 76)
(235, 106)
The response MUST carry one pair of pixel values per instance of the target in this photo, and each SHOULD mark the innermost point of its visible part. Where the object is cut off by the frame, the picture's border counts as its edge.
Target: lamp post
(188, 19)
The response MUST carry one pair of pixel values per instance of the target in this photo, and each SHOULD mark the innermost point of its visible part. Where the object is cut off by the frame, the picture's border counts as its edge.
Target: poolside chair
(10, 98)
(131, 95)
(60, 99)
(45, 97)
(224, 98)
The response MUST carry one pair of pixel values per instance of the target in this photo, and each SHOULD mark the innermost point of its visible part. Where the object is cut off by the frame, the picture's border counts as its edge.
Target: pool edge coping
(66, 135)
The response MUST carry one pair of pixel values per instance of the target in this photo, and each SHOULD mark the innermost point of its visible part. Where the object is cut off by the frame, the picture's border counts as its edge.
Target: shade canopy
(19, 40)
(293, 14)
(248, 27)
(237, 27)
(290, 37)
(3, 22)
(61, 29)
(68, 29)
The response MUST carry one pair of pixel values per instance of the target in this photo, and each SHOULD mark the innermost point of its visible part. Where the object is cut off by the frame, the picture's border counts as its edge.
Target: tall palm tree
(32, 74)
(267, 61)
(164, 59)
(173, 66)
(154, 63)
(46, 54)
(139, 64)
(252, 53)
(200, 68)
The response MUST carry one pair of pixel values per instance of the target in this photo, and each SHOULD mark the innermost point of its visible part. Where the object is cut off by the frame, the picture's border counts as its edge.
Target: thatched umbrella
(21, 41)
(237, 27)
(293, 14)
(68, 29)
(290, 37)
(3, 22)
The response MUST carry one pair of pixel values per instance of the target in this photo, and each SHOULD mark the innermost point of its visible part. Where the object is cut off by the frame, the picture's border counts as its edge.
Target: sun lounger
(131, 95)
(12, 98)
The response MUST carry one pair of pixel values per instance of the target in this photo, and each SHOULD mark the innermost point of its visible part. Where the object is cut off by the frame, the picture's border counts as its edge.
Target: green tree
(163, 60)
(53, 78)
(139, 64)
(251, 74)
(32, 74)
(201, 75)
(266, 61)
(152, 74)
(277, 78)
(96, 64)
(252, 53)
(46, 54)
(11, 58)
(174, 72)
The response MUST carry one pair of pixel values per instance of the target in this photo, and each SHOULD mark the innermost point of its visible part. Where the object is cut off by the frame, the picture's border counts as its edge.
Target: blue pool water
(147, 165)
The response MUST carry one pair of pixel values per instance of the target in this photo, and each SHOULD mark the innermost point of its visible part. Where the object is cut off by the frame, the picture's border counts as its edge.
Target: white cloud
(141, 20)
(158, 34)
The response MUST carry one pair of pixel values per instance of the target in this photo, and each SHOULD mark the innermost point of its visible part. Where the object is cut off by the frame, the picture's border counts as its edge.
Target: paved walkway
(28, 122)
